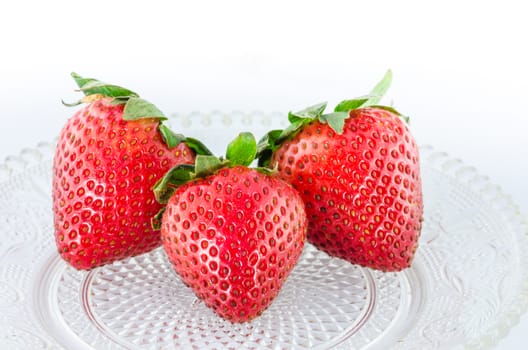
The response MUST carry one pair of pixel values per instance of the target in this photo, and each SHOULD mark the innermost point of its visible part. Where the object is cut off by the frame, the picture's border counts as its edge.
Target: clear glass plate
(466, 288)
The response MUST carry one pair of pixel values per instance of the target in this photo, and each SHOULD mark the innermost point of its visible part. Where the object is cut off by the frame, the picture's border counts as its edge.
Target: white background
(460, 68)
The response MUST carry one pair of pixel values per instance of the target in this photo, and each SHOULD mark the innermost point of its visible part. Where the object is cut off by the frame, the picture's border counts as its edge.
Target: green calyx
(336, 119)
(135, 108)
(172, 139)
(241, 151)
(90, 86)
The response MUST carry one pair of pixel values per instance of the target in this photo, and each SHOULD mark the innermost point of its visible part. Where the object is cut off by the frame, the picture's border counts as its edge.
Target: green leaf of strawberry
(178, 175)
(90, 86)
(137, 108)
(268, 141)
(301, 118)
(293, 128)
(266, 146)
(335, 120)
(197, 146)
(380, 89)
(348, 105)
(242, 150)
(405, 118)
(372, 98)
(312, 112)
(207, 165)
(170, 137)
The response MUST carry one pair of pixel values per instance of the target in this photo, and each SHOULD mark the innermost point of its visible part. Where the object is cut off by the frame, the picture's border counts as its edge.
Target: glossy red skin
(103, 171)
(234, 237)
(362, 189)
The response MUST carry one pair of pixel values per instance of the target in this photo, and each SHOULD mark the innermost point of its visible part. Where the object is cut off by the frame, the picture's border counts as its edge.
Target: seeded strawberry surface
(234, 237)
(361, 188)
(104, 168)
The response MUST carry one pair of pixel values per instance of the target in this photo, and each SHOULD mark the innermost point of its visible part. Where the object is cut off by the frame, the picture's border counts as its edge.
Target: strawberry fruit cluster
(347, 181)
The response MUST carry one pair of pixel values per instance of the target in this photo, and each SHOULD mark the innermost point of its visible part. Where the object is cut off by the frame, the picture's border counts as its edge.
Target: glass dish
(466, 288)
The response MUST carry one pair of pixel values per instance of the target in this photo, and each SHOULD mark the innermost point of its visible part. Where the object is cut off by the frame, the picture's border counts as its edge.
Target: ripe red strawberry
(357, 170)
(235, 235)
(103, 171)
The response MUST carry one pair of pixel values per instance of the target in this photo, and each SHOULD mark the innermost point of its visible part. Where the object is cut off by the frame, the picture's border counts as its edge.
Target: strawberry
(357, 170)
(108, 157)
(232, 233)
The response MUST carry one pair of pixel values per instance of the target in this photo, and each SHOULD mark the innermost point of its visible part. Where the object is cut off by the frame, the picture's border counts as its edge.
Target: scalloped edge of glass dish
(439, 160)
(481, 184)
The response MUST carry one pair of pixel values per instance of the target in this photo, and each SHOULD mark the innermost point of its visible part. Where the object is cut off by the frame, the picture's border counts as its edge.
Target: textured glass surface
(466, 288)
